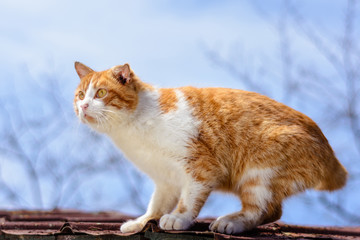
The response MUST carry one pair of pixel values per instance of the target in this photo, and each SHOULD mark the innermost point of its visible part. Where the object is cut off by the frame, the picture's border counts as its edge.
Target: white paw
(175, 222)
(225, 225)
(132, 226)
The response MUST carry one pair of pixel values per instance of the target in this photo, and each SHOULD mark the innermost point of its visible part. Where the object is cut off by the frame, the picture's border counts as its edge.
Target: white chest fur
(156, 142)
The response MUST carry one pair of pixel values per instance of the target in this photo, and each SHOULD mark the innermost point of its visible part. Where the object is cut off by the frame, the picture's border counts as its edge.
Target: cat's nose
(84, 106)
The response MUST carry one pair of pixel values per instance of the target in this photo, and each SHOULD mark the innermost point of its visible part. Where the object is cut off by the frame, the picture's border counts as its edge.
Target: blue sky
(165, 42)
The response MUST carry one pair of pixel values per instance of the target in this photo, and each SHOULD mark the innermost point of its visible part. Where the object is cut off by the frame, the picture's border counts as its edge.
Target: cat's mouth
(88, 118)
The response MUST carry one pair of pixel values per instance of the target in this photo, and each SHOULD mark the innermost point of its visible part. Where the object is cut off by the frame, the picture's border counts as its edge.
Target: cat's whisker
(100, 121)
(108, 115)
(108, 110)
(97, 121)
(103, 119)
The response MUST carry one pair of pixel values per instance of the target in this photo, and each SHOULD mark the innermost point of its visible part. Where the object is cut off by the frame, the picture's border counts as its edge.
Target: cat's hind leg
(259, 205)
(163, 201)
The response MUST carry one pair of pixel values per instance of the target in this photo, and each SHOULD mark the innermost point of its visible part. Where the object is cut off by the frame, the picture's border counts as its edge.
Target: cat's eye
(81, 95)
(101, 93)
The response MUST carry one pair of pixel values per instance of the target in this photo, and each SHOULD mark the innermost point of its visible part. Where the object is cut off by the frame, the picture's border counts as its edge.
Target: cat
(191, 141)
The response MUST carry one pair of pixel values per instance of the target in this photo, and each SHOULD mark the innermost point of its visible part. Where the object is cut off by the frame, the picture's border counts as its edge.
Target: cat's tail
(334, 177)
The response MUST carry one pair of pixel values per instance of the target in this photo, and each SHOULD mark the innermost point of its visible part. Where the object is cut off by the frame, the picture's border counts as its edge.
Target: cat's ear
(122, 73)
(82, 70)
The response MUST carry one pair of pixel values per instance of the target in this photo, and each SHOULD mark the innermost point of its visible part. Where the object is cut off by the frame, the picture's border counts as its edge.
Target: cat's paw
(226, 225)
(132, 226)
(175, 222)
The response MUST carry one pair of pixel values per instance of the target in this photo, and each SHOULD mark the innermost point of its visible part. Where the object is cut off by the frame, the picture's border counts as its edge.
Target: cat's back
(248, 114)
(262, 132)
(234, 104)
(242, 116)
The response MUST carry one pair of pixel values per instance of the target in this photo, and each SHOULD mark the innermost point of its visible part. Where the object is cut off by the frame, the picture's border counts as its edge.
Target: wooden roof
(65, 224)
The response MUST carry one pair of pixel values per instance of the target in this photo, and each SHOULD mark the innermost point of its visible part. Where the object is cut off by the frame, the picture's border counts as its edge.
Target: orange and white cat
(192, 141)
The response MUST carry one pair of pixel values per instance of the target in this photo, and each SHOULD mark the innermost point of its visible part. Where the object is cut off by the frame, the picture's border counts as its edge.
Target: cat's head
(102, 96)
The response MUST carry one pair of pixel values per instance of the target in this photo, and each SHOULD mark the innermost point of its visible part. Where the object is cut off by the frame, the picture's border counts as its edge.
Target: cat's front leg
(162, 201)
(193, 197)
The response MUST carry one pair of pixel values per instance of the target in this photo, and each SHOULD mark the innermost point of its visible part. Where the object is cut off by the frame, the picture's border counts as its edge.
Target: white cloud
(150, 37)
